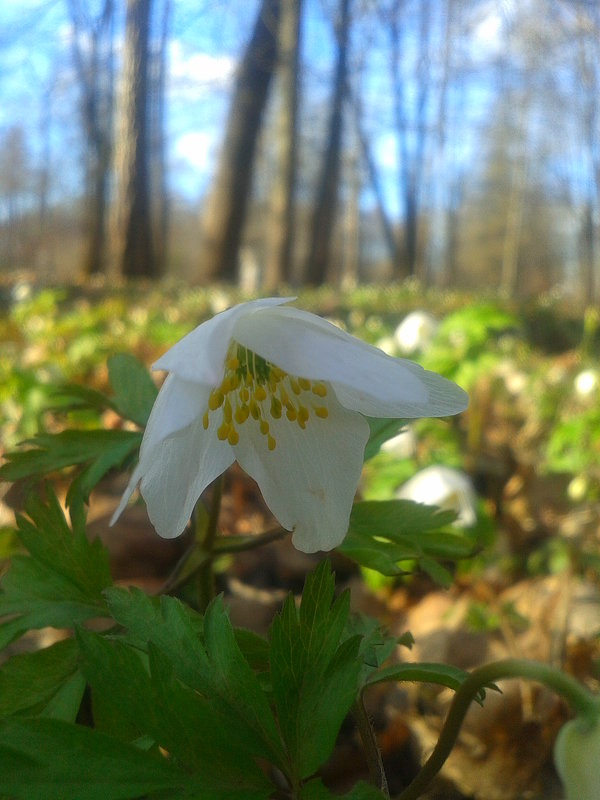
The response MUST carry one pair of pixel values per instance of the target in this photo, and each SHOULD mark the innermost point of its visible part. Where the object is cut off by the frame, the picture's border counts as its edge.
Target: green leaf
(381, 431)
(207, 657)
(153, 703)
(191, 727)
(117, 675)
(46, 682)
(53, 760)
(60, 582)
(134, 389)
(383, 534)
(100, 449)
(314, 674)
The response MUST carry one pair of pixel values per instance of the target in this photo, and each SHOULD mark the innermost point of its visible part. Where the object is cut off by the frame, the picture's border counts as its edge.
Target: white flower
(284, 393)
(446, 488)
(577, 757)
(415, 332)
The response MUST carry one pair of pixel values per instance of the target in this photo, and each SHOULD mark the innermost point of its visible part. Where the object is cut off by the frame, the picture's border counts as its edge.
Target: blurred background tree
(268, 142)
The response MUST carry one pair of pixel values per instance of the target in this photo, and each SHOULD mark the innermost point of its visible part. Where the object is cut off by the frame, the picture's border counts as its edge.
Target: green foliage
(385, 535)
(60, 582)
(313, 672)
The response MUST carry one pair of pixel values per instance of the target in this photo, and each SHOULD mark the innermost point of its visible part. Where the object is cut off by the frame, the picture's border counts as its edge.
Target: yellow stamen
(254, 388)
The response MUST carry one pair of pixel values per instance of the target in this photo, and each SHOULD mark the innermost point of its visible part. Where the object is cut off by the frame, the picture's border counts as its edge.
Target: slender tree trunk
(160, 195)
(94, 67)
(225, 209)
(281, 229)
(134, 239)
(327, 191)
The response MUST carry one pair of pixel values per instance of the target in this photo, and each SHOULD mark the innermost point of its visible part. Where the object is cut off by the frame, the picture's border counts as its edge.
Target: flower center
(254, 389)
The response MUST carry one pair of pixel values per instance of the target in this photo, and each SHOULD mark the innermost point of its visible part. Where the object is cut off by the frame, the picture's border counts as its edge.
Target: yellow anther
(241, 414)
(215, 400)
(248, 381)
(254, 409)
(275, 408)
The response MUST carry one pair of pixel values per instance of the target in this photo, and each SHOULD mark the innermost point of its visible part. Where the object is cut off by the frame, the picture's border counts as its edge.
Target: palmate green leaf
(102, 450)
(149, 702)
(207, 657)
(314, 674)
(382, 534)
(60, 582)
(43, 683)
(135, 391)
(49, 759)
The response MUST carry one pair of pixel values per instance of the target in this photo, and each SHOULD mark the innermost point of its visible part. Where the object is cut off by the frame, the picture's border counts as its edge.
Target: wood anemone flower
(285, 393)
(577, 757)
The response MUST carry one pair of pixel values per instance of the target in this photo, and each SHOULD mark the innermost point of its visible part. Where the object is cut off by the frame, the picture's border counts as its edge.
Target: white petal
(200, 355)
(310, 479)
(365, 379)
(178, 404)
(174, 471)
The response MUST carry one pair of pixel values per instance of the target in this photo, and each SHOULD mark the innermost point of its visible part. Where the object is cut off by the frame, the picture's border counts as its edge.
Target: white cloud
(196, 148)
(197, 73)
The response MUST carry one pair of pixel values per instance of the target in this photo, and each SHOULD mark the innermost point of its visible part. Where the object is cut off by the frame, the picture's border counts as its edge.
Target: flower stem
(583, 703)
(371, 748)
(206, 535)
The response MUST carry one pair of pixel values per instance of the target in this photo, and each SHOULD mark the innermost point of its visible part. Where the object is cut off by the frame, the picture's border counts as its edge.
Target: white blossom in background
(577, 758)
(285, 393)
(415, 332)
(586, 382)
(403, 445)
(447, 488)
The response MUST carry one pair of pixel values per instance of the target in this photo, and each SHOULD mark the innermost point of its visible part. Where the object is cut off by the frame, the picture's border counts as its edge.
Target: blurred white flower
(285, 393)
(577, 759)
(415, 332)
(586, 382)
(403, 445)
(446, 488)
(388, 345)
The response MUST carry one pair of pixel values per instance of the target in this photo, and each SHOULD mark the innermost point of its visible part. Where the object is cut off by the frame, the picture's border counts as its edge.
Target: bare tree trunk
(160, 196)
(94, 67)
(225, 209)
(410, 124)
(134, 239)
(327, 192)
(281, 228)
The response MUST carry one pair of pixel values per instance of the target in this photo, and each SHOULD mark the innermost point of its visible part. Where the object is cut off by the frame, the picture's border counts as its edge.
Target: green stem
(370, 746)
(583, 703)
(239, 544)
(205, 538)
